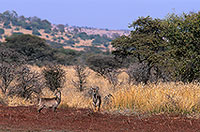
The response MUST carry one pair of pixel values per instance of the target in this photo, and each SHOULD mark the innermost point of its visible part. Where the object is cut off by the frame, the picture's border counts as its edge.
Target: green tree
(183, 34)
(147, 45)
(33, 47)
(47, 30)
(170, 45)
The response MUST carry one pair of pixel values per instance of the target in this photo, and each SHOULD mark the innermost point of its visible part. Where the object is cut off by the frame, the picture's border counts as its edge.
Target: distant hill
(69, 37)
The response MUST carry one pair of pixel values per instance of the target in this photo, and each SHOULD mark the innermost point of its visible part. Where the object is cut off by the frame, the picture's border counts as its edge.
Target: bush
(47, 30)
(7, 25)
(106, 66)
(70, 41)
(2, 31)
(54, 76)
(36, 32)
(101, 39)
(27, 27)
(17, 29)
(82, 35)
(54, 38)
(67, 35)
(61, 27)
(17, 33)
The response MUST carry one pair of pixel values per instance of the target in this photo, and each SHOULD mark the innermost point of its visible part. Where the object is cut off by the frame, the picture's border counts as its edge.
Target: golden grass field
(172, 97)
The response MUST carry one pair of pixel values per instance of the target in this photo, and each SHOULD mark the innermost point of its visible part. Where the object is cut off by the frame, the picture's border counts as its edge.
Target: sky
(110, 14)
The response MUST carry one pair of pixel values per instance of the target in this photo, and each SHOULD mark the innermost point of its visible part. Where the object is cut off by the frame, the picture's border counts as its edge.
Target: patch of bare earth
(23, 118)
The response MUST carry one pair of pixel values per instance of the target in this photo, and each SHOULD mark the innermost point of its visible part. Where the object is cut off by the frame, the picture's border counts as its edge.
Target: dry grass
(158, 98)
(152, 98)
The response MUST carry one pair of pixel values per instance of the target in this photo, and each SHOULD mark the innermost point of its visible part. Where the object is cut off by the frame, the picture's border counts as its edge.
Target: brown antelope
(96, 98)
(50, 102)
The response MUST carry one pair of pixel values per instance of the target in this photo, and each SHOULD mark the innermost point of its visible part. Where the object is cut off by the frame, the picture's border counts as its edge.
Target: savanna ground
(23, 118)
(172, 107)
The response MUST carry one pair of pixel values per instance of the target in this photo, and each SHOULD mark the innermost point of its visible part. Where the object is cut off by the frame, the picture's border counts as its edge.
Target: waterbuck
(96, 98)
(50, 102)
(108, 99)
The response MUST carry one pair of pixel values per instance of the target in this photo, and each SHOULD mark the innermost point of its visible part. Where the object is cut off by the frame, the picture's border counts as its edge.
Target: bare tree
(112, 77)
(81, 74)
(106, 66)
(8, 74)
(28, 82)
(10, 61)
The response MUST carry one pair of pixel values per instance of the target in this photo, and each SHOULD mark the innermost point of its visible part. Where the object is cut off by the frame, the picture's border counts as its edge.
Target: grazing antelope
(108, 99)
(96, 98)
(50, 102)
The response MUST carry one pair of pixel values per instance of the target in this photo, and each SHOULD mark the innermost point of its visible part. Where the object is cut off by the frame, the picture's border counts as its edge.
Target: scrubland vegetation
(162, 97)
(155, 69)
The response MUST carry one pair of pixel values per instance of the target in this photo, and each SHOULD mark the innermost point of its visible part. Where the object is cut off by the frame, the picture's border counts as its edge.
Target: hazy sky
(111, 14)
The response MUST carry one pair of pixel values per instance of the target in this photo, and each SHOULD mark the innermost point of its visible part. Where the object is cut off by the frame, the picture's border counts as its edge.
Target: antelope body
(50, 102)
(96, 98)
(108, 99)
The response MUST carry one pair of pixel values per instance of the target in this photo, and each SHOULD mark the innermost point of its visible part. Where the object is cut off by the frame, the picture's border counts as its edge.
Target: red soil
(84, 120)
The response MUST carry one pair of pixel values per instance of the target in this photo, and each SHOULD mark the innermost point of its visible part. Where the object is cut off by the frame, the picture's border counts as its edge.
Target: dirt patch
(84, 120)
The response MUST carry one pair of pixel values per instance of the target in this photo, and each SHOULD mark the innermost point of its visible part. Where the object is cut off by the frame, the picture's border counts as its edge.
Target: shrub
(2, 31)
(6, 25)
(36, 32)
(83, 35)
(101, 39)
(54, 38)
(47, 30)
(61, 27)
(17, 29)
(70, 41)
(54, 76)
(106, 66)
(17, 33)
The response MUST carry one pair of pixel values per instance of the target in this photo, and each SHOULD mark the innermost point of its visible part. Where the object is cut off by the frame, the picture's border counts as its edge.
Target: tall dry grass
(161, 97)
(152, 98)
